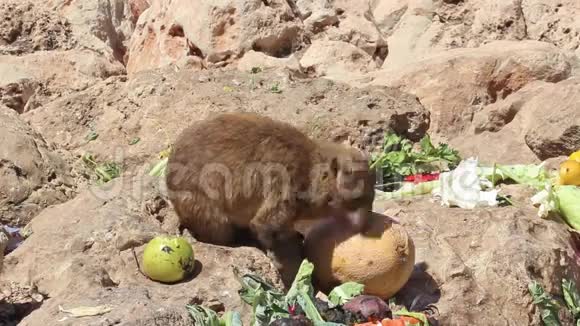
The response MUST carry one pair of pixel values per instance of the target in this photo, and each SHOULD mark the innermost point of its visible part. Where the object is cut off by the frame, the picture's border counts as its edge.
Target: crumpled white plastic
(462, 187)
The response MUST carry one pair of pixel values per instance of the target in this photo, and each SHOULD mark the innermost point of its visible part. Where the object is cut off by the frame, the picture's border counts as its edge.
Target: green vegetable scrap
(267, 303)
(526, 174)
(302, 292)
(549, 307)
(203, 316)
(342, 293)
(568, 204)
(104, 172)
(276, 88)
(417, 315)
(134, 141)
(572, 298)
(159, 168)
(398, 159)
(92, 136)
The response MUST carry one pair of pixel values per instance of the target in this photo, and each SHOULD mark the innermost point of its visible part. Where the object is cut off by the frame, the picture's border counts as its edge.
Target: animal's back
(231, 144)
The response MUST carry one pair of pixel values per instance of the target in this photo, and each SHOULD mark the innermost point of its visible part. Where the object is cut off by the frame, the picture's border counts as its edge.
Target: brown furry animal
(241, 173)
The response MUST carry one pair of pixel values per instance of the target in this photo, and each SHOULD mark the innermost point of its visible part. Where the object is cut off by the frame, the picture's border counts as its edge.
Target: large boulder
(528, 121)
(417, 29)
(82, 253)
(217, 31)
(26, 27)
(29, 80)
(475, 265)
(32, 175)
(155, 106)
(456, 83)
(337, 60)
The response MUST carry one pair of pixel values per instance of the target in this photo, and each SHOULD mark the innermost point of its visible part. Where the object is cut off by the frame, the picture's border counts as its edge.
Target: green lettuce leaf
(344, 292)
(231, 318)
(267, 302)
(568, 204)
(547, 305)
(572, 297)
(203, 316)
(527, 174)
(302, 292)
(418, 315)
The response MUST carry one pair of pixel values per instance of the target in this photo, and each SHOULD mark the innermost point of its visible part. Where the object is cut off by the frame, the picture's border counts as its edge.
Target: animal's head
(352, 184)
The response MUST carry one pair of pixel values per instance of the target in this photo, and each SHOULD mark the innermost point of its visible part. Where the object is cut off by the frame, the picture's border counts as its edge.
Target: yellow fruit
(575, 156)
(168, 259)
(382, 259)
(570, 173)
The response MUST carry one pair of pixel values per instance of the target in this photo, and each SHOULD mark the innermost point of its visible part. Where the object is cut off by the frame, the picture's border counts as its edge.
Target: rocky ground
(119, 79)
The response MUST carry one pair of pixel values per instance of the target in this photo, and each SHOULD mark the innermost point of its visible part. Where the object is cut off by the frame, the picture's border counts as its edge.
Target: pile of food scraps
(409, 170)
(344, 305)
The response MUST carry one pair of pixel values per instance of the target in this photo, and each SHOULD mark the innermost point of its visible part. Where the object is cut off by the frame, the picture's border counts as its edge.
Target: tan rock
(553, 127)
(253, 59)
(27, 80)
(418, 28)
(528, 126)
(481, 261)
(387, 13)
(358, 27)
(3, 243)
(556, 22)
(455, 83)
(217, 31)
(27, 26)
(156, 105)
(32, 176)
(81, 254)
(411, 40)
(102, 25)
(337, 60)
(317, 15)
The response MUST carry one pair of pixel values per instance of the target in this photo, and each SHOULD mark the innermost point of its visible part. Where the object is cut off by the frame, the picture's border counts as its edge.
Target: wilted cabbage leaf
(564, 200)
(534, 175)
(568, 204)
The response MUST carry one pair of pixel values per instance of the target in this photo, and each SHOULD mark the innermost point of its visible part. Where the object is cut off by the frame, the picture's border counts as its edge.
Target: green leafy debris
(398, 159)
(92, 135)
(302, 292)
(548, 306)
(104, 172)
(417, 315)
(231, 318)
(344, 292)
(203, 316)
(134, 141)
(276, 88)
(571, 297)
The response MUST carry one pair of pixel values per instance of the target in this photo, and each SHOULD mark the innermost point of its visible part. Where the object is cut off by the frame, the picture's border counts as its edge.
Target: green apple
(168, 259)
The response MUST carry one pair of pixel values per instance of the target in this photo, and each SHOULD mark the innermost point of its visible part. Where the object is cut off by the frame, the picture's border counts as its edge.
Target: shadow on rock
(421, 292)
